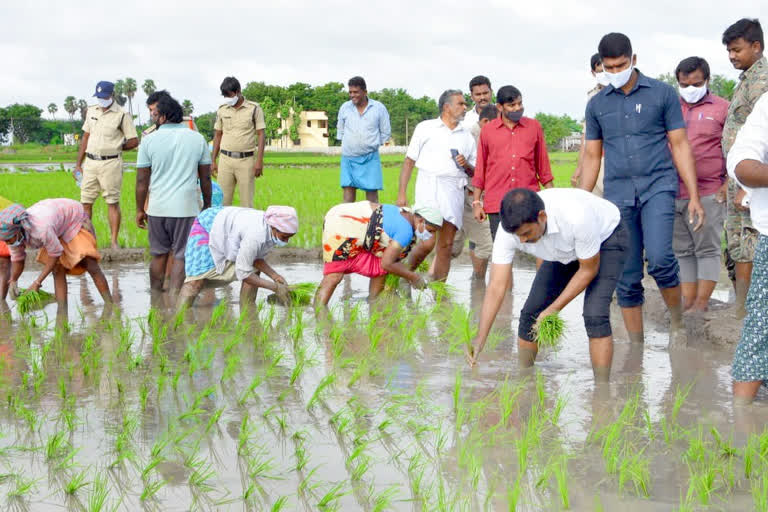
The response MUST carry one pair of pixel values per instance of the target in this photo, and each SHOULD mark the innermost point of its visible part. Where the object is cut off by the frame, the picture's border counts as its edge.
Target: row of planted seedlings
(277, 408)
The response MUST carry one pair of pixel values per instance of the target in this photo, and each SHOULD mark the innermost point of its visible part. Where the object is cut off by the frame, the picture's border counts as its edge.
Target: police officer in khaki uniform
(107, 132)
(238, 124)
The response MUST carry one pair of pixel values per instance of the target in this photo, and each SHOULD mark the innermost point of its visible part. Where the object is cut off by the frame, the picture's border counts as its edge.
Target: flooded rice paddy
(370, 408)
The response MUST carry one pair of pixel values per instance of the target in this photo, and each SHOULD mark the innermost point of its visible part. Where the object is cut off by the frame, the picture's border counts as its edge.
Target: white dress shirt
(471, 118)
(752, 144)
(241, 236)
(578, 222)
(431, 146)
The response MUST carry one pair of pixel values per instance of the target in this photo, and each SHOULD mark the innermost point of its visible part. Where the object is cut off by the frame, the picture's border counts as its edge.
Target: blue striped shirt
(362, 134)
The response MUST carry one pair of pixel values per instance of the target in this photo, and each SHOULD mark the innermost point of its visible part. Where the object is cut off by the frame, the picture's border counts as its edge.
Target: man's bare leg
(327, 287)
(114, 223)
(157, 272)
(350, 194)
(99, 279)
(372, 196)
(443, 253)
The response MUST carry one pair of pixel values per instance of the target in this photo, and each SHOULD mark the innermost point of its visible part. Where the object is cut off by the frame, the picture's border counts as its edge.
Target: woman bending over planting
(230, 243)
(371, 239)
(63, 233)
(582, 244)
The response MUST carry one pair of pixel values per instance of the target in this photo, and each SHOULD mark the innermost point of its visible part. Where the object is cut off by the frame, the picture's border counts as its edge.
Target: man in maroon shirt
(698, 252)
(511, 153)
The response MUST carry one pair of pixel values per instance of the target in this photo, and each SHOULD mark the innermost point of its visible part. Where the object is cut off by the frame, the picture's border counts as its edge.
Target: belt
(99, 157)
(237, 154)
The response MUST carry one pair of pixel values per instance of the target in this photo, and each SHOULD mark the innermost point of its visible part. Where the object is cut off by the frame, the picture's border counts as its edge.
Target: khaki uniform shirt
(239, 126)
(753, 83)
(108, 129)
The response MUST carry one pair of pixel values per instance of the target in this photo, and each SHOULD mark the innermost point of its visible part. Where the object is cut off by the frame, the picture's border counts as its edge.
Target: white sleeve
(246, 255)
(752, 140)
(472, 154)
(504, 247)
(414, 148)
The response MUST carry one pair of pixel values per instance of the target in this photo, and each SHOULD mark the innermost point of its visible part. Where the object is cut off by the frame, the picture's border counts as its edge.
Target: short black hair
(170, 109)
(230, 85)
(614, 45)
(507, 94)
(479, 80)
(691, 64)
(747, 29)
(594, 61)
(520, 206)
(357, 81)
(489, 112)
(155, 96)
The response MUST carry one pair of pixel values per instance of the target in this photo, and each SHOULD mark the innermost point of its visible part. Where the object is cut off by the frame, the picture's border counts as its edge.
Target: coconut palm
(130, 91)
(83, 106)
(119, 92)
(187, 107)
(70, 106)
(148, 86)
(52, 109)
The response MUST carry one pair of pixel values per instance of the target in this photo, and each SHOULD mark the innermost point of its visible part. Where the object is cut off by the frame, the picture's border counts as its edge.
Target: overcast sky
(50, 50)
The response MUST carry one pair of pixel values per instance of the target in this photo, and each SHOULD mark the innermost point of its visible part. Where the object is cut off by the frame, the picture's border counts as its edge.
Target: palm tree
(52, 109)
(119, 92)
(83, 106)
(187, 107)
(148, 86)
(70, 106)
(130, 90)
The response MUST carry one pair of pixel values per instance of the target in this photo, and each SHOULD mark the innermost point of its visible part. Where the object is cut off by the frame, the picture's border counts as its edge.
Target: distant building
(312, 130)
(571, 142)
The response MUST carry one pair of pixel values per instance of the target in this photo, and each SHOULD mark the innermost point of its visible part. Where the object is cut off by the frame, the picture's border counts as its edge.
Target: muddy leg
(443, 254)
(99, 279)
(157, 272)
(744, 392)
(327, 287)
(5, 276)
(247, 294)
(189, 292)
(60, 285)
(601, 355)
(376, 286)
(526, 353)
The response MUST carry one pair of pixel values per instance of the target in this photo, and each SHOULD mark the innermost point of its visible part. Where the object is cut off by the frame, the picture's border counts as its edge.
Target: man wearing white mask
(596, 67)
(698, 252)
(107, 132)
(639, 122)
(239, 123)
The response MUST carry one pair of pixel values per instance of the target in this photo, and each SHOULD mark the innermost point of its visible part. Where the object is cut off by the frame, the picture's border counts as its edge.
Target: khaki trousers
(237, 171)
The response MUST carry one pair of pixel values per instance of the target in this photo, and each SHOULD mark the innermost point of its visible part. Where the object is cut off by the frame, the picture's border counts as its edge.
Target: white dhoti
(446, 193)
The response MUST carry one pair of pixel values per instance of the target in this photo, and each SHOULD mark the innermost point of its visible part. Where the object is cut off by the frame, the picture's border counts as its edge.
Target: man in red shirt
(698, 252)
(511, 153)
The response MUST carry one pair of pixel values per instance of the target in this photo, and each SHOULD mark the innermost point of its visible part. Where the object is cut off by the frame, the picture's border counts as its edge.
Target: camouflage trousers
(740, 236)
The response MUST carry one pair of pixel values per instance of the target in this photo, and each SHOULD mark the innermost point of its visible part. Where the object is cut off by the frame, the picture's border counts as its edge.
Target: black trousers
(552, 278)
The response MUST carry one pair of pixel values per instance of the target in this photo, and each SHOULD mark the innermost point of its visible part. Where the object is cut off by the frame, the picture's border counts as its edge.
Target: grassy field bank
(304, 181)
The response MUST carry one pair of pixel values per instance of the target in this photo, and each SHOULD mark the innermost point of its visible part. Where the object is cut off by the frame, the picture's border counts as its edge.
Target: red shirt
(704, 124)
(508, 159)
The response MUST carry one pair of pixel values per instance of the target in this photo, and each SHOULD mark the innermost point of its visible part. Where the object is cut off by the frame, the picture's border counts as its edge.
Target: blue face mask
(277, 241)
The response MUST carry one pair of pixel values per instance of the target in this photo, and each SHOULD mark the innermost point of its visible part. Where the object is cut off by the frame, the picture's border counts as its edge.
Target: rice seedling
(22, 486)
(151, 489)
(202, 475)
(759, 490)
(279, 504)
(29, 300)
(302, 293)
(97, 498)
(324, 384)
(330, 499)
(56, 446)
(76, 483)
(549, 330)
(383, 500)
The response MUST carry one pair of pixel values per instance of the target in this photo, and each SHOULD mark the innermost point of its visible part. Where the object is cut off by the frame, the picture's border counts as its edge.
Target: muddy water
(232, 419)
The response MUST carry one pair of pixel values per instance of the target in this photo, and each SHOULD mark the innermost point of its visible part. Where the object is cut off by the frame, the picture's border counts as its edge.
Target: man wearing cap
(239, 122)
(107, 131)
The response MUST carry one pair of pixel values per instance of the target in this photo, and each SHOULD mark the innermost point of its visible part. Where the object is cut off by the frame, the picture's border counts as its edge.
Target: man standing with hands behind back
(639, 122)
(107, 132)
(239, 122)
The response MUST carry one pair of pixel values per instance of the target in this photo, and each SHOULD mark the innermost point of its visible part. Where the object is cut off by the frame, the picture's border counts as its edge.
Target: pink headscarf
(282, 218)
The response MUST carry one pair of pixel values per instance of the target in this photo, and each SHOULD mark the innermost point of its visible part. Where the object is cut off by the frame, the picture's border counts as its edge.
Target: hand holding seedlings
(549, 328)
(419, 283)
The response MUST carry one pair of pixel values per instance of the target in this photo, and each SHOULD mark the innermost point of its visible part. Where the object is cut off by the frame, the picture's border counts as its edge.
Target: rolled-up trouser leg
(550, 281)
(597, 298)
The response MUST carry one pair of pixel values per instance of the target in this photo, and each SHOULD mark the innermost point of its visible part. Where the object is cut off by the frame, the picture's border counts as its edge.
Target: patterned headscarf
(282, 218)
(11, 220)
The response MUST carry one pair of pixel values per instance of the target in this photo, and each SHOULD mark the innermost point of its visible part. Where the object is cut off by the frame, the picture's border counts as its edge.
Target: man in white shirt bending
(582, 244)
(748, 165)
(444, 151)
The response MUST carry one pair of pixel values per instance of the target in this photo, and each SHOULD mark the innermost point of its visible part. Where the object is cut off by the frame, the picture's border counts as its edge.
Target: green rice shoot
(301, 294)
(549, 330)
(30, 299)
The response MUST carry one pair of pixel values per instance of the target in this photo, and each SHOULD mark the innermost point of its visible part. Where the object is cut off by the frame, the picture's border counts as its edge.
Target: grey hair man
(444, 150)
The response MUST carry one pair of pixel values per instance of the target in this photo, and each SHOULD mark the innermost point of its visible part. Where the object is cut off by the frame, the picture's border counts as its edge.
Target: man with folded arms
(107, 132)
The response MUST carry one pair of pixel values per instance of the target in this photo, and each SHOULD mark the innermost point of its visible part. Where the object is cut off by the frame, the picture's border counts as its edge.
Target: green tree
(119, 93)
(405, 112)
(24, 121)
(83, 106)
(668, 78)
(722, 86)
(148, 86)
(556, 127)
(187, 107)
(130, 92)
(52, 109)
(70, 106)
(204, 124)
(271, 119)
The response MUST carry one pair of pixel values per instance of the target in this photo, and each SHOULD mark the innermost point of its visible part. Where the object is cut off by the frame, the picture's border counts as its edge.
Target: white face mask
(602, 79)
(231, 101)
(620, 79)
(423, 235)
(277, 241)
(693, 94)
(104, 103)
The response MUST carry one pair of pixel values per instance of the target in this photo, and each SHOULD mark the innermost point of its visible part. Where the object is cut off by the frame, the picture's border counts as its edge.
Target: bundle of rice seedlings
(549, 330)
(301, 294)
(29, 300)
